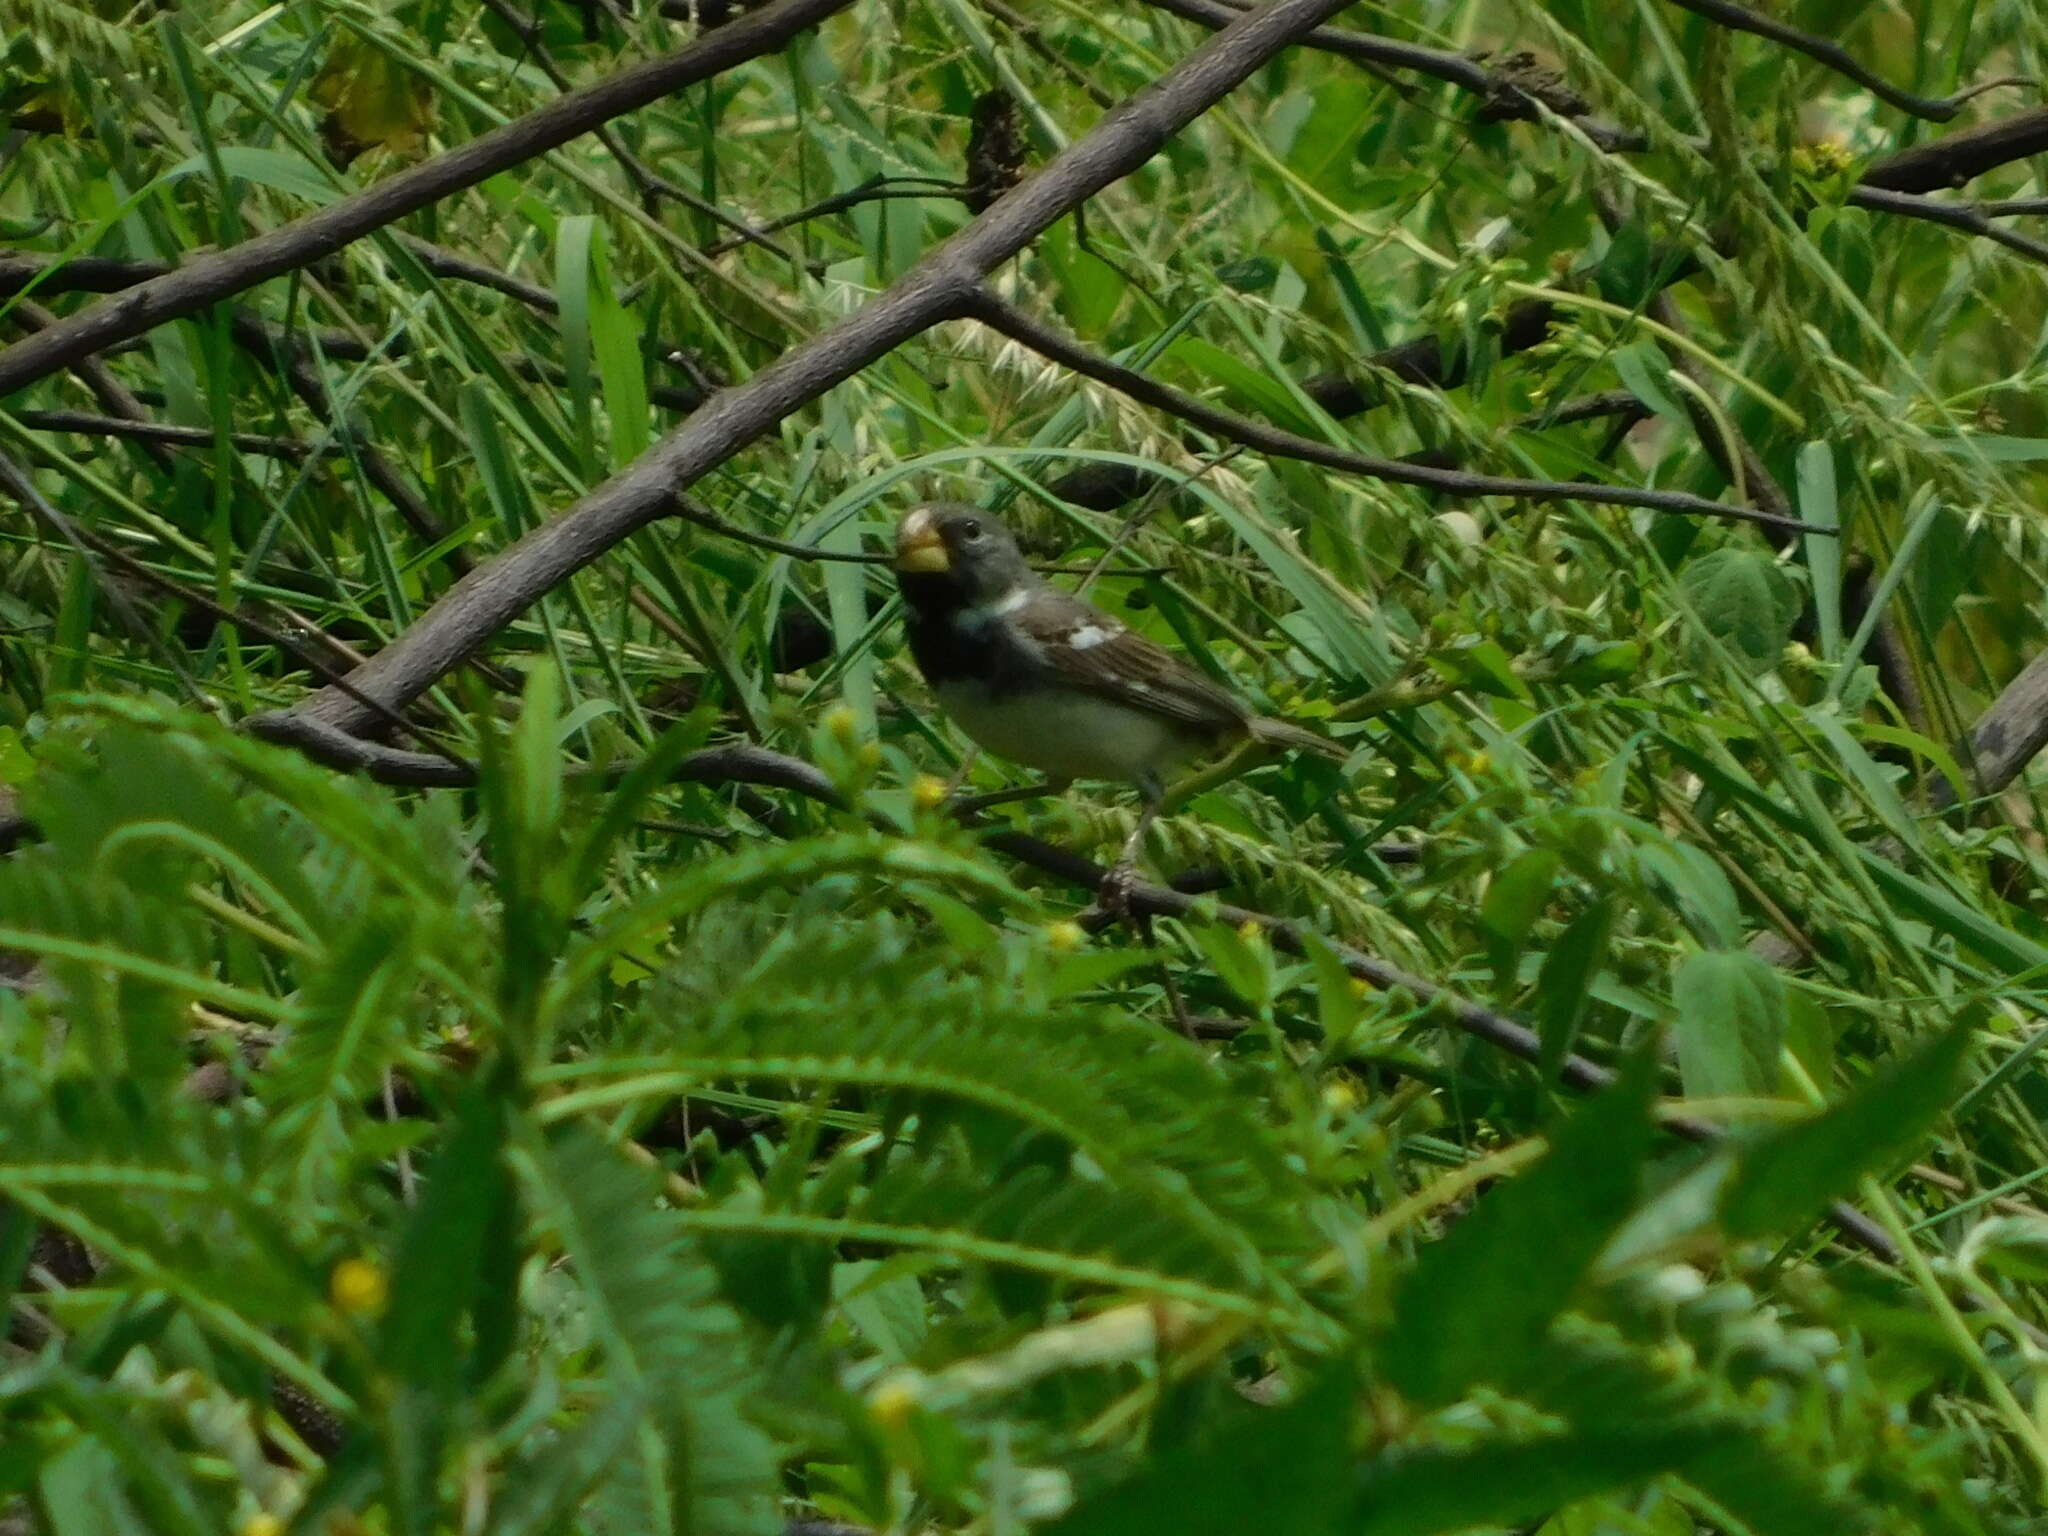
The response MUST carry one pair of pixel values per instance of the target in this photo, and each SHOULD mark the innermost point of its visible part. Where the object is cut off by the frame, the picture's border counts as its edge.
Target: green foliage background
(587, 1154)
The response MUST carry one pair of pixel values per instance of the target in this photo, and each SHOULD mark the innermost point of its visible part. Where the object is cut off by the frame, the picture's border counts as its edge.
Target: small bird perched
(1042, 678)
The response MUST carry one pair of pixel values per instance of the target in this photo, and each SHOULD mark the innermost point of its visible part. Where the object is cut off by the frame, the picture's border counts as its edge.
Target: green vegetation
(684, 1123)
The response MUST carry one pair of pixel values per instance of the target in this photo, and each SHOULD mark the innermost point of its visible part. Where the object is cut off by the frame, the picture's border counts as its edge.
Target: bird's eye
(970, 532)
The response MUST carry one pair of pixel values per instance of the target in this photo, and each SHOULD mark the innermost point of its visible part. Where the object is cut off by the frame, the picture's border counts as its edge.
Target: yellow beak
(918, 545)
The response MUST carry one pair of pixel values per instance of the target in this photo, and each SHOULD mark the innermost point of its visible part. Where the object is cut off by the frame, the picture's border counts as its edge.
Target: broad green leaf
(1269, 397)
(2008, 1245)
(1643, 369)
(1281, 1469)
(1477, 1304)
(277, 168)
(437, 1281)
(1745, 601)
(1731, 1023)
(1517, 895)
(1995, 447)
(1706, 901)
(1564, 986)
(698, 1466)
(1784, 1177)
(1496, 1483)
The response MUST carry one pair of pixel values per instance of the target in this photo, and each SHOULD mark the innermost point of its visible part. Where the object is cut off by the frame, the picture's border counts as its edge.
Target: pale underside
(1067, 734)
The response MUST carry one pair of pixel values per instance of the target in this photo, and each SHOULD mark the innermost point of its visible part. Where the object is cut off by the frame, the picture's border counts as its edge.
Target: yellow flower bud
(843, 723)
(358, 1286)
(1065, 935)
(892, 1402)
(927, 792)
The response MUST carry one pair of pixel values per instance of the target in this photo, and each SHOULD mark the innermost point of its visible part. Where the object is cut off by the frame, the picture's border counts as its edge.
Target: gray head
(962, 553)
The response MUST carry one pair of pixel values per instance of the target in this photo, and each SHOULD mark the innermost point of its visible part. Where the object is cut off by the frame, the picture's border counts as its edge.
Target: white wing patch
(1088, 636)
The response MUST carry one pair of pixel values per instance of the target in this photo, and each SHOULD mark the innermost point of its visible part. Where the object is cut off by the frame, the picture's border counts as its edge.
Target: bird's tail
(1286, 734)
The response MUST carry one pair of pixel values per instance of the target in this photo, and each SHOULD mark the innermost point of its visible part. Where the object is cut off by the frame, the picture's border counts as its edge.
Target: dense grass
(596, 1153)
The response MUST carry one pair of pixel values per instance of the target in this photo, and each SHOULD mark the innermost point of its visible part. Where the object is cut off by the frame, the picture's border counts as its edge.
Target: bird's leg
(1114, 897)
(971, 805)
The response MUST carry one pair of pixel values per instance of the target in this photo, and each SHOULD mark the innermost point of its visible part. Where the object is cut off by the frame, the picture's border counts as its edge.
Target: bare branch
(1956, 158)
(1825, 51)
(1511, 89)
(1967, 217)
(87, 425)
(1046, 341)
(2006, 737)
(321, 233)
(939, 287)
(116, 398)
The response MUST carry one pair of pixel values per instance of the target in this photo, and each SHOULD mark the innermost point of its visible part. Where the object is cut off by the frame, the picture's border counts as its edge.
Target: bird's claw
(1113, 897)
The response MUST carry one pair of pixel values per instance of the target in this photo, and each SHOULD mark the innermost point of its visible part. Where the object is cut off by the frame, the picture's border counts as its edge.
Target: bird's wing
(1089, 650)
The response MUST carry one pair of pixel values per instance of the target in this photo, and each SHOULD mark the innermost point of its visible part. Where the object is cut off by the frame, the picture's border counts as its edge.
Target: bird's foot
(1113, 897)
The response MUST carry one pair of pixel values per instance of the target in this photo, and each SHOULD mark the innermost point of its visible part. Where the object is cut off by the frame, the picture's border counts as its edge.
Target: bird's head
(959, 549)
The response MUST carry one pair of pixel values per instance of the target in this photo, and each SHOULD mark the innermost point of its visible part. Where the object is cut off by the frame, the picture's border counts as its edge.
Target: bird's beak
(919, 549)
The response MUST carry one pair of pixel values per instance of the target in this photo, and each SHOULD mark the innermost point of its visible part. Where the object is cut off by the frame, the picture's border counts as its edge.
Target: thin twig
(85, 424)
(1823, 50)
(1967, 217)
(1043, 339)
(210, 279)
(1511, 93)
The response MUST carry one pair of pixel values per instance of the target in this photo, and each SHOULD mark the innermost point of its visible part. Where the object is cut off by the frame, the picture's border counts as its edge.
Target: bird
(1046, 679)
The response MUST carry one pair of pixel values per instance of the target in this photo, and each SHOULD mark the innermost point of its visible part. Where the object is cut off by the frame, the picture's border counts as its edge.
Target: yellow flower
(358, 1286)
(843, 723)
(891, 1403)
(1065, 935)
(927, 792)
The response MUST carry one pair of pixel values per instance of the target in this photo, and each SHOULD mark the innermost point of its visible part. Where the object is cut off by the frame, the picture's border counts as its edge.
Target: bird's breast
(1065, 733)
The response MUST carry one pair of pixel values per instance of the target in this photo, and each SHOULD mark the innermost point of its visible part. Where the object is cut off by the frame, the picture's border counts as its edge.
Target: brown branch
(1043, 339)
(876, 189)
(97, 275)
(86, 424)
(1967, 217)
(442, 262)
(1823, 50)
(89, 543)
(210, 279)
(939, 287)
(1104, 487)
(114, 397)
(2006, 737)
(1957, 158)
(306, 382)
(81, 274)
(1514, 90)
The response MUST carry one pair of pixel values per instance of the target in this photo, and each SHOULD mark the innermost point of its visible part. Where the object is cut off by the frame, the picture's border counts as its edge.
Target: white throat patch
(1001, 608)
